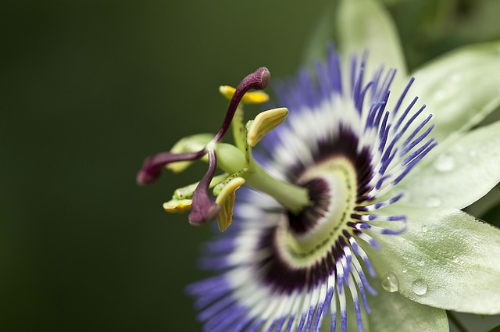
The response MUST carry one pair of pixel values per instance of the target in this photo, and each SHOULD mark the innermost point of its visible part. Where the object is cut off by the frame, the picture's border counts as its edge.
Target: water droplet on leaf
(440, 95)
(459, 148)
(419, 287)
(433, 201)
(390, 282)
(404, 270)
(421, 263)
(444, 163)
(424, 229)
(456, 78)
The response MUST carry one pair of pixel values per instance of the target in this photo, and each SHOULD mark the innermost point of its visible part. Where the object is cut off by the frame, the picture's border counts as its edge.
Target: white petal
(392, 312)
(457, 174)
(461, 87)
(446, 259)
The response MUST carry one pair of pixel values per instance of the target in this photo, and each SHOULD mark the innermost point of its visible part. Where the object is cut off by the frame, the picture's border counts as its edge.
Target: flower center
(309, 235)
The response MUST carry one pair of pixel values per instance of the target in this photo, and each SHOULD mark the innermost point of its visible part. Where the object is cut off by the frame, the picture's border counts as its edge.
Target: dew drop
(459, 148)
(424, 229)
(456, 78)
(404, 269)
(444, 163)
(433, 201)
(419, 287)
(390, 282)
(439, 96)
(421, 263)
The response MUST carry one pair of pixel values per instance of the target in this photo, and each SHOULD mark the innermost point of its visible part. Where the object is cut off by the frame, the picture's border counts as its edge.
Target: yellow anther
(188, 144)
(226, 202)
(178, 206)
(265, 122)
(254, 97)
(187, 192)
(178, 166)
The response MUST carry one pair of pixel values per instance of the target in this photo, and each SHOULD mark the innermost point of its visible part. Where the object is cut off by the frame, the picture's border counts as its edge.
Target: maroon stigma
(258, 80)
(153, 166)
(203, 208)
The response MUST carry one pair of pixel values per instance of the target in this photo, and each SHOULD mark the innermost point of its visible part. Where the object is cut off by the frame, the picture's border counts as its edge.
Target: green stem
(292, 197)
(456, 322)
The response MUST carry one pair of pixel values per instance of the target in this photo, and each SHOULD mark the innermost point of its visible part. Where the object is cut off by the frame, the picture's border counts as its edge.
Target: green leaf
(392, 312)
(364, 25)
(460, 88)
(495, 329)
(391, 2)
(493, 215)
(459, 173)
(324, 32)
(485, 206)
(446, 259)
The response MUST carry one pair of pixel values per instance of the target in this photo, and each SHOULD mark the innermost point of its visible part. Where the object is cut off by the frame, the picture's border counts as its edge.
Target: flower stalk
(294, 198)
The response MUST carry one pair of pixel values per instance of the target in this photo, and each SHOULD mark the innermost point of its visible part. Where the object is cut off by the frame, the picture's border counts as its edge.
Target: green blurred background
(88, 89)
